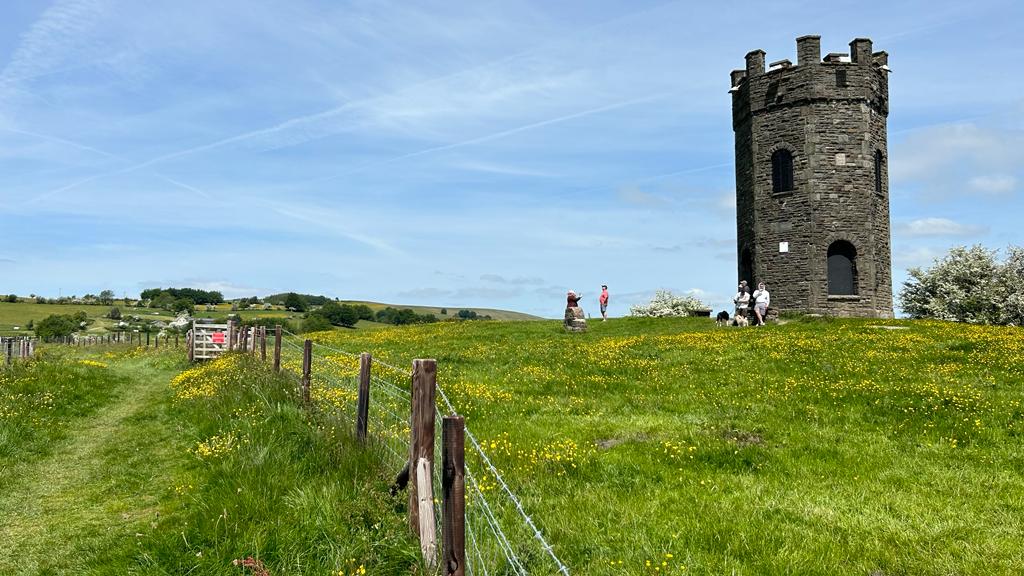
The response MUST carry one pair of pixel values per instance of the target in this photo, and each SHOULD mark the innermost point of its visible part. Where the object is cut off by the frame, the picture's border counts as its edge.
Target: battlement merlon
(808, 50)
(860, 76)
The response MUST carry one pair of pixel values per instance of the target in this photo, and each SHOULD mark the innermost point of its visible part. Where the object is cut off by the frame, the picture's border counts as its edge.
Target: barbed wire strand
(515, 500)
(519, 506)
(495, 526)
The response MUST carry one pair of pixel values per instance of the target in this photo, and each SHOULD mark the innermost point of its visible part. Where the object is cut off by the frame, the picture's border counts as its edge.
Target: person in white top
(761, 300)
(741, 300)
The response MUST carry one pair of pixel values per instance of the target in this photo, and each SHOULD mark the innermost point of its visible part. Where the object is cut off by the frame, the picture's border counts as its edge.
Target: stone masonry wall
(832, 127)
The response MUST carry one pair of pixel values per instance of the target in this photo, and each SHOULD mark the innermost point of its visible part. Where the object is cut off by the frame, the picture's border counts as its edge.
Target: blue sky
(458, 154)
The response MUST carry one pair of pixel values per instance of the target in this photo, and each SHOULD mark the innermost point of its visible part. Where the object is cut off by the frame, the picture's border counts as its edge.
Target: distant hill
(15, 317)
(495, 314)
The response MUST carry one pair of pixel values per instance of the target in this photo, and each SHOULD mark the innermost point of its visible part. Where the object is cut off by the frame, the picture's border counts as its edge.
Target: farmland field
(822, 447)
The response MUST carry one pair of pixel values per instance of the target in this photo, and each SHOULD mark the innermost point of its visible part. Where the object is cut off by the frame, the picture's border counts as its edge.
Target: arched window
(842, 269)
(782, 171)
(879, 167)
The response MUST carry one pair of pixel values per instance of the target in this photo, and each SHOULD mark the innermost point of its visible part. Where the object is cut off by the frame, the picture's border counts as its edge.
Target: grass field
(651, 446)
(118, 461)
(645, 446)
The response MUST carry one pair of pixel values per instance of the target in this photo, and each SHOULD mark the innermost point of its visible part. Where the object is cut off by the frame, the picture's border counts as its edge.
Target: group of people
(760, 300)
(573, 301)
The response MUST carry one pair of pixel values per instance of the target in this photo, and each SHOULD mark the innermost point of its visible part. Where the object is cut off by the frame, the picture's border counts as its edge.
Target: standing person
(761, 302)
(604, 302)
(741, 300)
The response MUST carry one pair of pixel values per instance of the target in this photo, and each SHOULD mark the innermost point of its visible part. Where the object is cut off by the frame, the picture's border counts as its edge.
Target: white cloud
(915, 257)
(937, 227)
(518, 280)
(950, 159)
(634, 195)
(995, 184)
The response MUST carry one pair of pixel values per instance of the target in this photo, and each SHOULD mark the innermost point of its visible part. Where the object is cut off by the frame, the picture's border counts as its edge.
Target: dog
(740, 321)
(723, 318)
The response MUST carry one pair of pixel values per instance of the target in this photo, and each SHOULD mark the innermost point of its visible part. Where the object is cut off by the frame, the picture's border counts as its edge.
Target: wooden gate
(209, 340)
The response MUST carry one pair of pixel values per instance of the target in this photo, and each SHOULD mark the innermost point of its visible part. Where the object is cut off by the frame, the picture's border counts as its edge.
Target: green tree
(106, 297)
(114, 314)
(13, 298)
(966, 285)
(56, 326)
(183, 305)
(295, 302)
(315, 323)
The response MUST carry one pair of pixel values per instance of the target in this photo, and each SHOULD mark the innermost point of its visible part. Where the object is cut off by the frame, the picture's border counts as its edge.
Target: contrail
(495, 135)
(64, 141)
(299, 120)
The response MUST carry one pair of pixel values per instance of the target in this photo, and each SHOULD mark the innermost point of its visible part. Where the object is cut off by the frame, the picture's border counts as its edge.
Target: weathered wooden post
(263, 344)
(175, 339)
(231, 335)
(453, 489)
(189, 343)
(307, 367)
(245, 338)
(277, 348)
(421, 447)
(8, 350)
(363, 403)
(147, 339)
(157, 338)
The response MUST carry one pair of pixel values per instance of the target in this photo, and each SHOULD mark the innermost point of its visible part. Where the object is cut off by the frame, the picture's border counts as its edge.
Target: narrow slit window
(782, 171)
(879, 167)
(841, 79)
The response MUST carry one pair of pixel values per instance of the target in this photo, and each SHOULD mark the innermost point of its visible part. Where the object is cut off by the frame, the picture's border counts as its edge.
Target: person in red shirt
(604, 302)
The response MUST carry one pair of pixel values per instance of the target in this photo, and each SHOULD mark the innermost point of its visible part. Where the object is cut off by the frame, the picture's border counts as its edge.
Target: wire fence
(501, 536)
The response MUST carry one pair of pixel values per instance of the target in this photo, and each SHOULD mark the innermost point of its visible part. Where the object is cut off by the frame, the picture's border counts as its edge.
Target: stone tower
(812, 186)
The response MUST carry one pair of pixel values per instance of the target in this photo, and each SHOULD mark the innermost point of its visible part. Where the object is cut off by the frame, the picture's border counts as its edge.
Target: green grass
(816, 447)
(819, 447)
(107, 469)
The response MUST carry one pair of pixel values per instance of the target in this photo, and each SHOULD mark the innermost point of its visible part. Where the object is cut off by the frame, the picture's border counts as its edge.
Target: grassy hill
(644, 446)
(19, 314)
(820, 447)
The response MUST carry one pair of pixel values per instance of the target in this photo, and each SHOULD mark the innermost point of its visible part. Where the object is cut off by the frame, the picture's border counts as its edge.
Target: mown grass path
(78, 509)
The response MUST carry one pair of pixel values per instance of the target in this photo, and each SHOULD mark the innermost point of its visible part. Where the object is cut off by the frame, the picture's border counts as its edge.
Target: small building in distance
(812, 186)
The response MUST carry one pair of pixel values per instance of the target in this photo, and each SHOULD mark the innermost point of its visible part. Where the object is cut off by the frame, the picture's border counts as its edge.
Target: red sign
(217, 337)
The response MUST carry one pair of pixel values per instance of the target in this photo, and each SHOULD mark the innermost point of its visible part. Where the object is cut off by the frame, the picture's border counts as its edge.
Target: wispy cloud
(516, 280)
(637, 197)
(937, 227)
(997, 184)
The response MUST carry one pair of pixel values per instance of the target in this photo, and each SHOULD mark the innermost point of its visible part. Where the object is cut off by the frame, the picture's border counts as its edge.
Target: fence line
(334, 385)
(483, 519)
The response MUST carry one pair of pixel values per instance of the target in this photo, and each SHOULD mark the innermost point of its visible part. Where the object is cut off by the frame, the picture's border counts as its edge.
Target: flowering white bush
(968, 285)
(665, 303)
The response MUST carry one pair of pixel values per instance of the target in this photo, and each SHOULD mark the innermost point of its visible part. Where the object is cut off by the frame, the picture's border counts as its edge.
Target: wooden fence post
(231, 335)
(453, 489)
(147, 339)
(191, 352)
(421, 442)
(307, 368)
(8, 350)
(425, 508)
(245, 338)
(263, 344)
(363, 403)
(277, 348)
